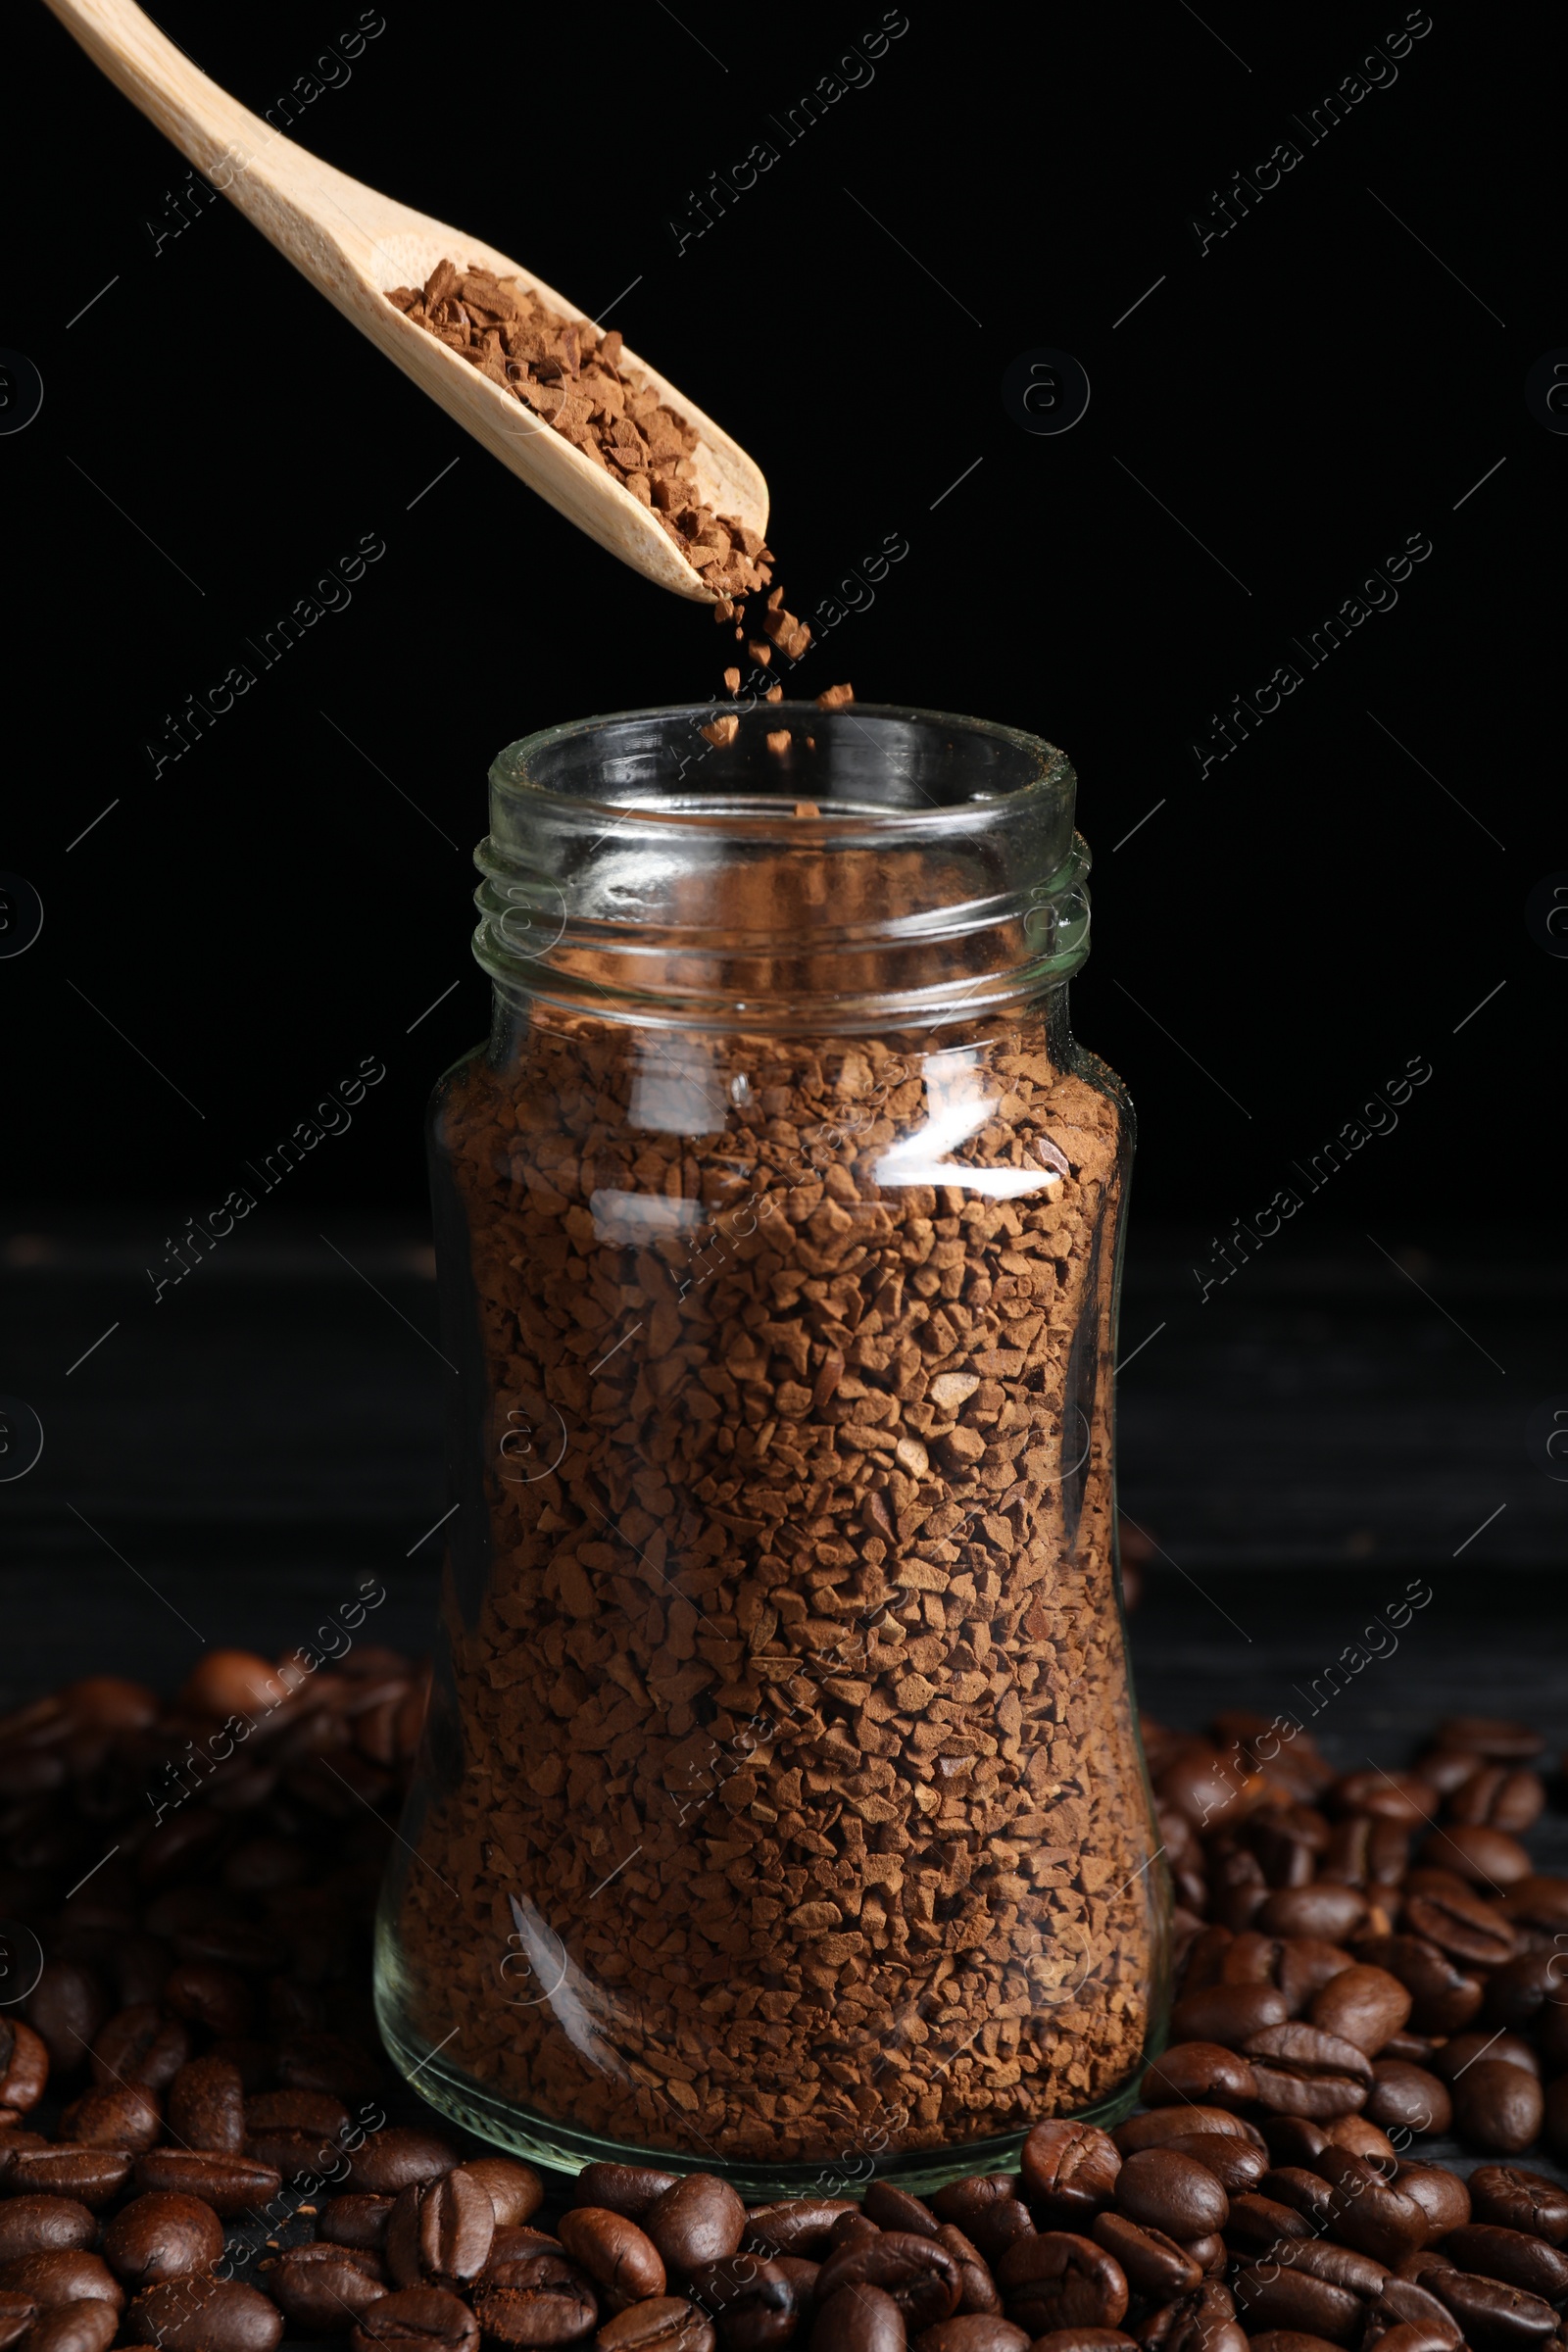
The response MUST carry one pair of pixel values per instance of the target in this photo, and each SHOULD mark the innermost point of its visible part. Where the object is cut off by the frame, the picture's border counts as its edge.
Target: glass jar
(781, 1810)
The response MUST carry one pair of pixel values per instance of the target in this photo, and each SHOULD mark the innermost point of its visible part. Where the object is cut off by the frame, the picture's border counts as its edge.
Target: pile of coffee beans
(1369, 1952)
(194, 2149)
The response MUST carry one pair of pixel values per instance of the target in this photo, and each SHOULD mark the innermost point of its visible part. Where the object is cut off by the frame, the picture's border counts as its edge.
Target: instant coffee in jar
(781, 1808)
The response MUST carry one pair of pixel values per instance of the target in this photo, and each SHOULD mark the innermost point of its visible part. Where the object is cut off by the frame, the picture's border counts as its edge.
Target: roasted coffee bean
(1515, 2256)
(1087, 2340)
(1497, 2107)
(514, 2244)
(1068, 2171)
(802, 2276)
(1518, 1991)
(1152, 2263)
(423, 2318)
(75, 2327)
(24, 2064)
(1362, 2138)
(1289, 2339)
(455, 2229)
(1248, 1958)
(965, 2202)
(515, 2189)
(1302, 2188)
(1495, 2317)
(1446, 1769)
(978, 2332)
(19, 2312)
(15, 2145)
(848, 2229)
(1300, 2070)
(62, 2277)
(918, 2272)
(1211, 2253)
(1487, 1858)
(1202, 2322)
(1160, 2123)
(1171, 2193)
(142, 2044)
(1361, 2005)
(207, 2106)
(43, 2224)
(1460, 1923)
(65, 2009)
(1331, 1913)
(1368, 2214)
(979, 2296)
(893, 2209)
(1504, 2194)
(1234, 2163)
(323, 2289)
(386, 2162)
(863, 2318)
(1407, 2097)
(161, 2235)
(1443, 2197)
(1539, 1902)
(1001, 2225)
(535, 2299)
(1461, 2051)
(1338, 2265)
(1256, 2222)
(628, 2188)
(356, 2221)
(1500, 1798)
(1305, 1966)
(93, 2177)
(1402, 1796)
(700, 2220)
(1401, 2303)
(230, 2184)
(1228, 2013)
(1061, 2280)
(206, 1993)
(621, 2259)
(1294, 2139)
(749, 2299)
(1269, 2295)
(119, 2117)
(1443, 1997)
(1419, 2266)
(798, 2226)
(664, 2324)
(295, 2130)
(1202, 2070)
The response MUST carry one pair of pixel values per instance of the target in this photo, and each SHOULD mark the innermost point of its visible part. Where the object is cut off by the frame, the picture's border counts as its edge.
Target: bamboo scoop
(355, 246)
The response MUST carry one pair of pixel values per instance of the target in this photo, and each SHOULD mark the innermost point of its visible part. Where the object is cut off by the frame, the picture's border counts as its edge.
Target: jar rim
(1033, 775)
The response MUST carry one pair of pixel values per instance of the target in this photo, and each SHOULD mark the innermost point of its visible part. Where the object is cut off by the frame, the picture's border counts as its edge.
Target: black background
(1304, 396)
(225, 942)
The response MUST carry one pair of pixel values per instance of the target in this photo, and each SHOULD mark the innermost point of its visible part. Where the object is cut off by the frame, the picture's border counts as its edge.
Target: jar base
(521, 2132)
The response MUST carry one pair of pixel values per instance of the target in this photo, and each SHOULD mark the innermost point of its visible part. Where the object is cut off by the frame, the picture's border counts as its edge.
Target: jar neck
(888, 869)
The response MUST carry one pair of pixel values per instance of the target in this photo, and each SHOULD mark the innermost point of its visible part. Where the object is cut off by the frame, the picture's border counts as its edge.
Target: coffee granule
(795, 1742)
(571, 377)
